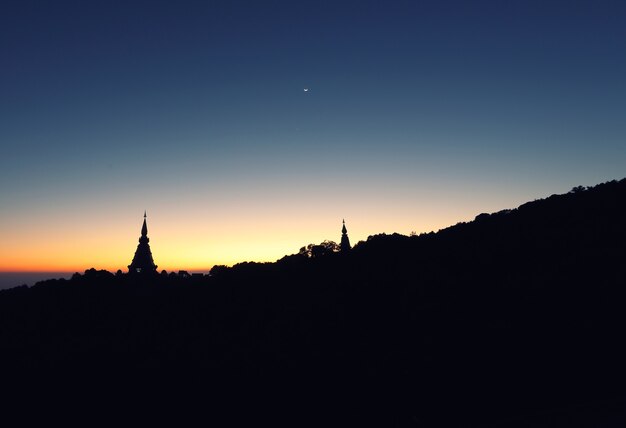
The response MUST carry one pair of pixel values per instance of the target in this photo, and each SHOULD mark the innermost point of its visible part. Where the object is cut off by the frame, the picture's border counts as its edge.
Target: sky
(418, 115)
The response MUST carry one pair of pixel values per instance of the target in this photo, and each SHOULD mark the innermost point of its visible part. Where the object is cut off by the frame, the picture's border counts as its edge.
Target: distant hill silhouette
(514, 319)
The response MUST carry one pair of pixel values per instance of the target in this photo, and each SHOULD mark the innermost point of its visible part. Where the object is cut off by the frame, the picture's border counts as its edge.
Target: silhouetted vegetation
(323, 249)
(514, 319)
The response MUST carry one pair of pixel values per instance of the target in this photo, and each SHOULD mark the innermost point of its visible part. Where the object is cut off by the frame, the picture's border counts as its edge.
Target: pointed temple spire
(143, 262)
(345, 241)
(144, 228)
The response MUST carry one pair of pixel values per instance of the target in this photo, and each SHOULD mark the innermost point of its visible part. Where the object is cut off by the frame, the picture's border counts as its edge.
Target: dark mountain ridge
(514, 319)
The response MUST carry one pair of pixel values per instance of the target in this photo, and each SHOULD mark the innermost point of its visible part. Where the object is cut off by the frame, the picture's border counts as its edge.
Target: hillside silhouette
(514, 319)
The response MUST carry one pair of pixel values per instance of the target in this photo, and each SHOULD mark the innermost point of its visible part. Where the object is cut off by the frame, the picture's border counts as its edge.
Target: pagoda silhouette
(345, 241)
(142, 262)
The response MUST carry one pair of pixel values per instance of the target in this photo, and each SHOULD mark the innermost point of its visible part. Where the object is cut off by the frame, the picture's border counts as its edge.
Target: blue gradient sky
(420, 114)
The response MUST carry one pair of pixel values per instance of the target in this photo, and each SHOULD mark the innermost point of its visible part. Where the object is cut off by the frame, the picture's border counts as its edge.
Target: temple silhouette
(142, 261)
(345, 241)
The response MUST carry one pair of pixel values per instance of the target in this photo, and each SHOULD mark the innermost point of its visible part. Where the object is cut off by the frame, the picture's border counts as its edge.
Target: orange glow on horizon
(171, 251)
(197, 237)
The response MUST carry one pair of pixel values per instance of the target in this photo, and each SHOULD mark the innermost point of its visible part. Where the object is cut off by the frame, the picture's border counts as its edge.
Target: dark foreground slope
(514, 319)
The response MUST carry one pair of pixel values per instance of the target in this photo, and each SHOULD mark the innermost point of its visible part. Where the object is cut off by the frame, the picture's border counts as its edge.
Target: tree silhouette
(513, 320)
(319, 250)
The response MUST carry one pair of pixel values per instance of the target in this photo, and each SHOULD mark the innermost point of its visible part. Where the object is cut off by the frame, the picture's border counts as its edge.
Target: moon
(306, 89)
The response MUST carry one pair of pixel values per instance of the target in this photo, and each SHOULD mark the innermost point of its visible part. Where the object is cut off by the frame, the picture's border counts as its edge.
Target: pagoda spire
(144, 228)
(345, 241)
(143, 261)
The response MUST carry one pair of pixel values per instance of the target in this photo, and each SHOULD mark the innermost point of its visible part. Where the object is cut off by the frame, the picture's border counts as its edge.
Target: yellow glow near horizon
(170, 251)
(198, 236)
(73, 247)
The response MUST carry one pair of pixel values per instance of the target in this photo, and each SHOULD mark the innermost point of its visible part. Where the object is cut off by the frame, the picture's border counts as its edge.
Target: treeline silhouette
(514, 319)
